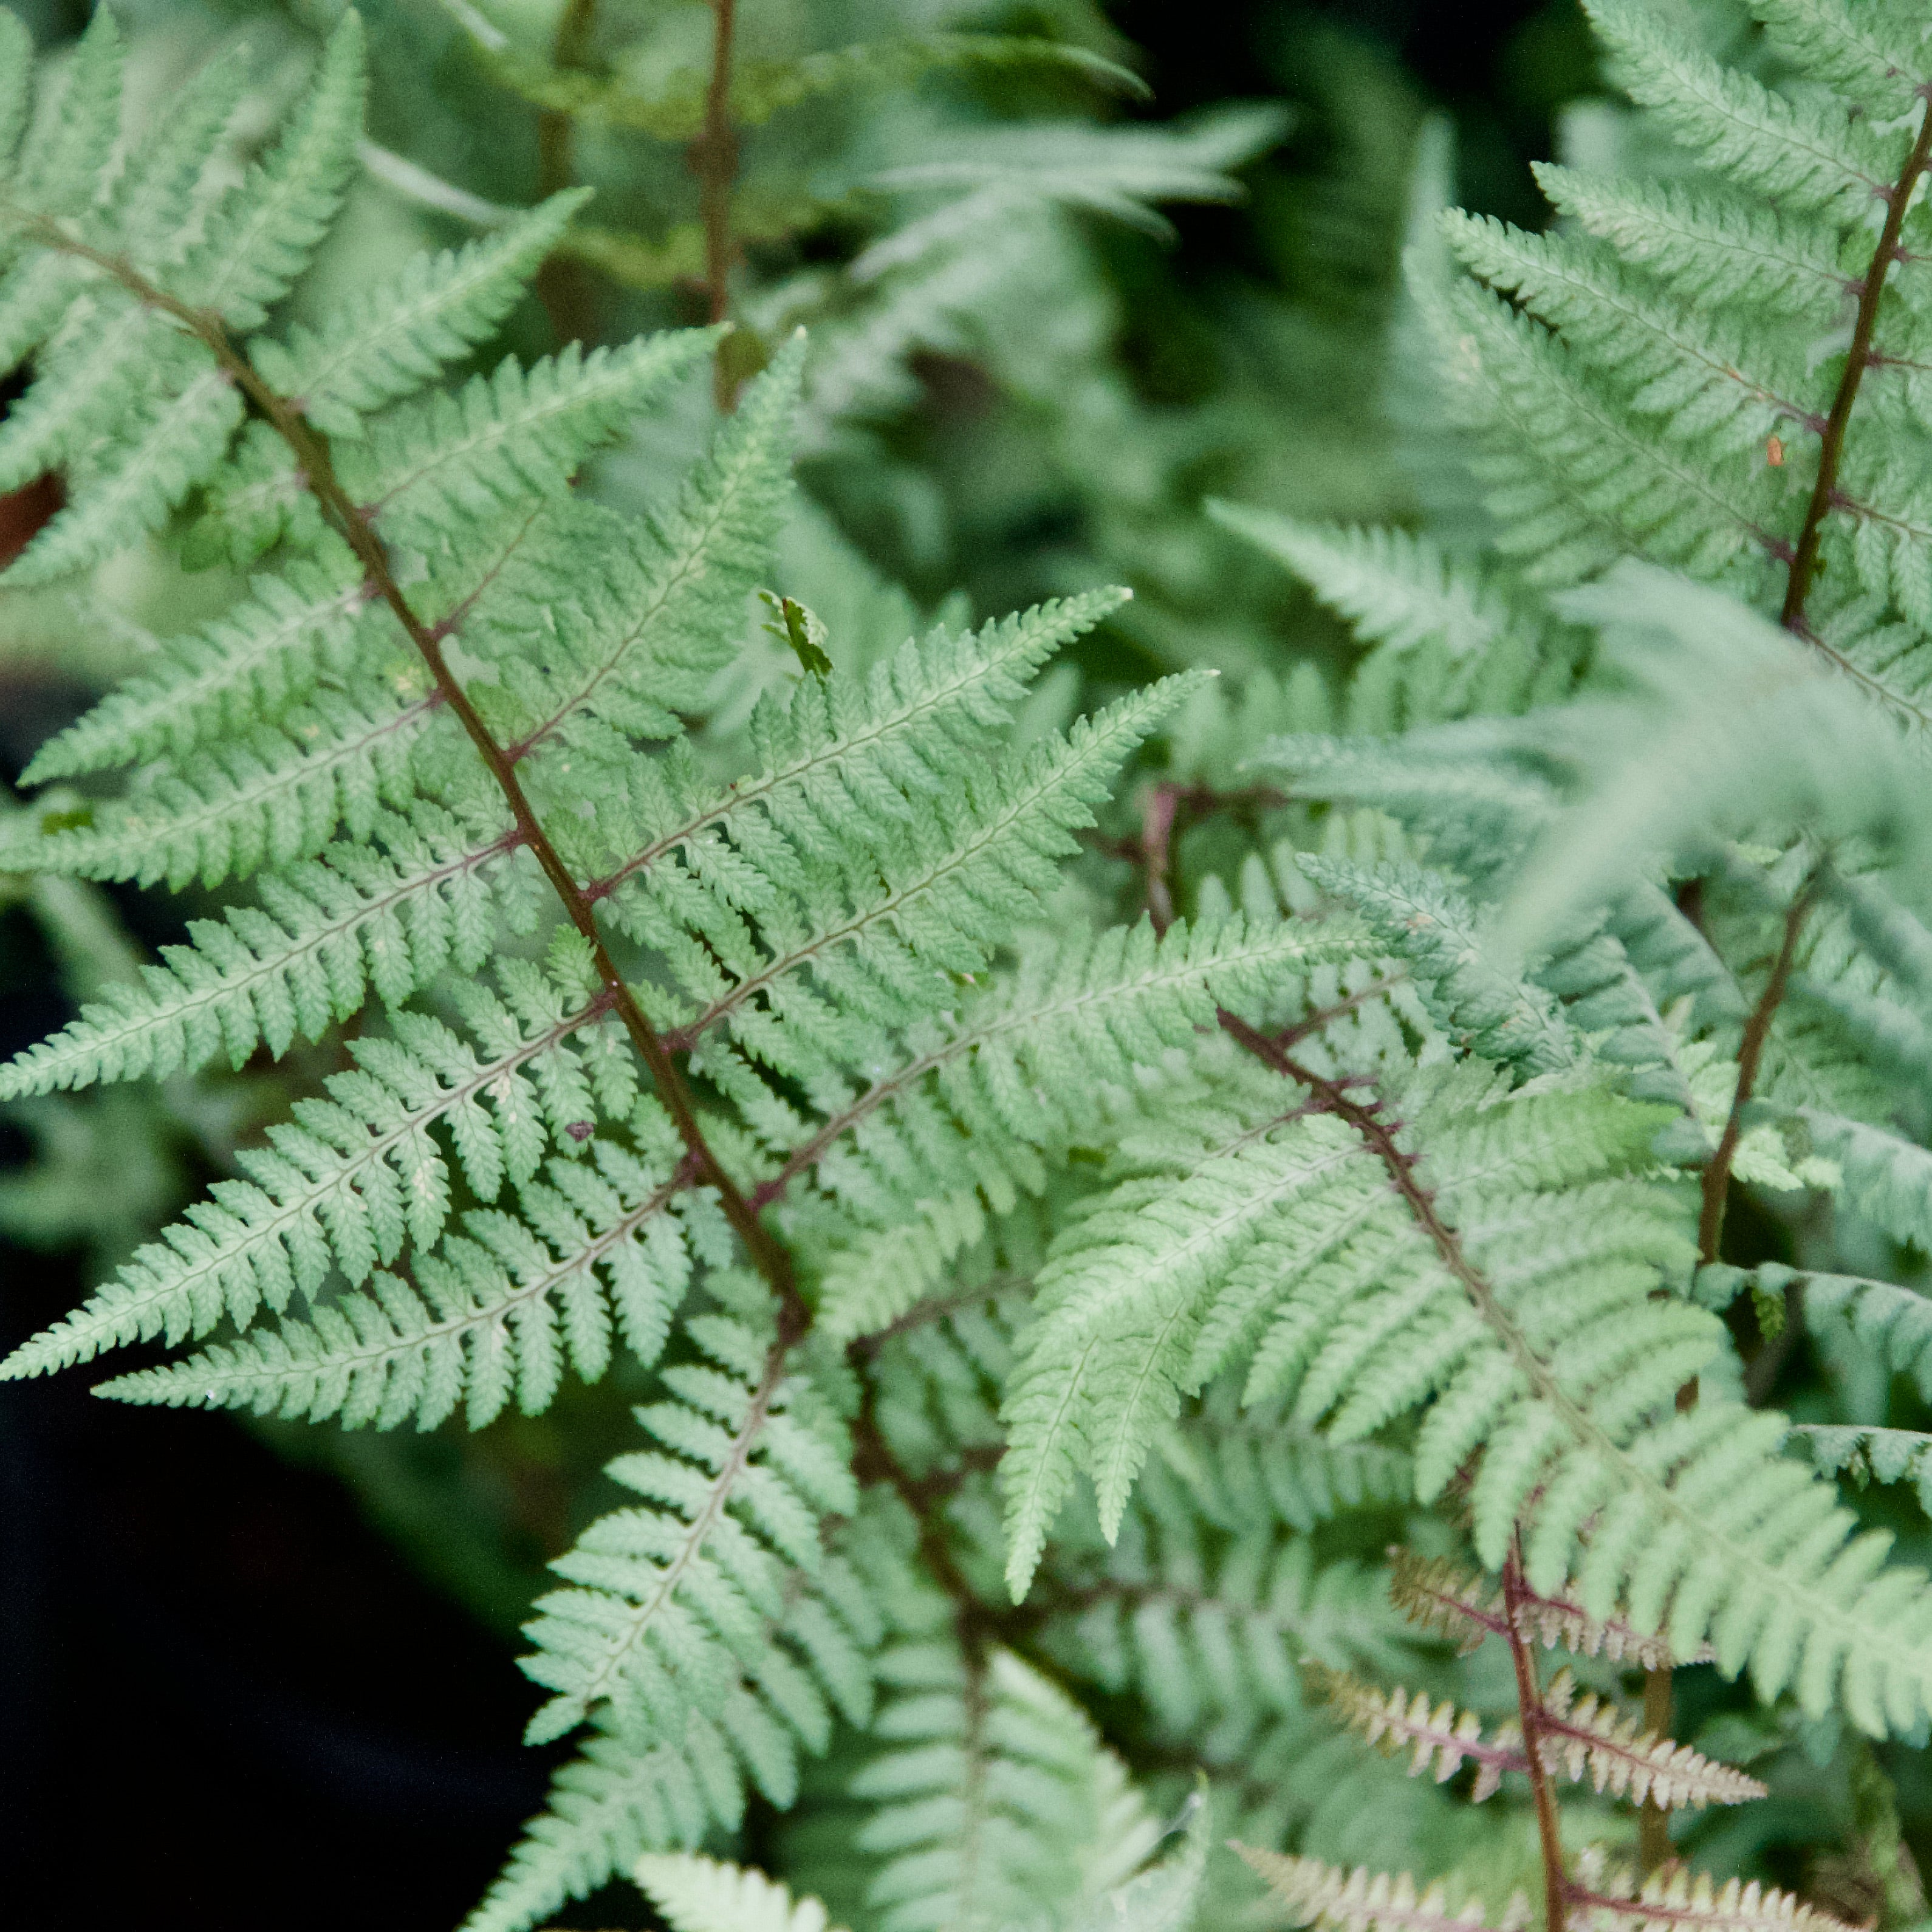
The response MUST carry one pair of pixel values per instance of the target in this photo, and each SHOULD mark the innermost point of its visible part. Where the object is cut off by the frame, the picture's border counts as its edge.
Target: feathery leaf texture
(669, 1599)
(1442, 1594)
(995, 1802)
(1255, 1221)
(1361, 1900)
(701, 1895)
(1439, 1738)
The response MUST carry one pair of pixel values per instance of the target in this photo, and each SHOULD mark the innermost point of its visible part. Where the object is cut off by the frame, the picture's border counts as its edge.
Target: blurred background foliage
(1033, 358)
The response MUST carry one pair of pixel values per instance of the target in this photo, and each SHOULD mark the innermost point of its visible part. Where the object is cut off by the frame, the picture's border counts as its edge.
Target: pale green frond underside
(697, 1895)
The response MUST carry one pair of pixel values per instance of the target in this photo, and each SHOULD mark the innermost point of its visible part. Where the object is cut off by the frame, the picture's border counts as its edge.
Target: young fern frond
(1682, 1898)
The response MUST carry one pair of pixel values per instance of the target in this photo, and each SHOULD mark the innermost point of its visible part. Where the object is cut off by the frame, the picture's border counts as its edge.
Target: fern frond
(437, 461)
(606, 1806)
(1238, 1465)
(1708, 382)
(1895, 1321)
(1869, 1454)
(356, 917)
(1709, 249)
(700, 1895)
(262, 238)
(73, 135)
(1364, 1901)
(1439, 1739)
(674, 111)
(616, 1800)
(350, 1177)
(1795, 151)
(1576, 1734)
(1395, 587)
(875, 908)
(1213, 1644)
(159, 207)
(654, 612)
(993, 1794)
(269, 796)
(1887, 1179)
(1578, 480)
(1678, 1899)
(1025, 1067)
(384, 343)
(1442, 1594)
(665, 1596)
(832, 748)
(1482, 1006)
(496, 1312)
(180, 422)
(253, 664)
(1875, 53)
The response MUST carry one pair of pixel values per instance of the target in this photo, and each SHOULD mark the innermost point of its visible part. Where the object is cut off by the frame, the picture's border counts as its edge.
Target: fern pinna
(1044, 1315)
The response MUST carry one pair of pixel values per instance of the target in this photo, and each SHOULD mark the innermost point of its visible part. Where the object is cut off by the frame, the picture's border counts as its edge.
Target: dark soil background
(226, 1700)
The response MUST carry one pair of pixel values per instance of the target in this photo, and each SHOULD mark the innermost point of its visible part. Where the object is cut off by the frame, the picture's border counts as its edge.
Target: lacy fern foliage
(1054, 1209)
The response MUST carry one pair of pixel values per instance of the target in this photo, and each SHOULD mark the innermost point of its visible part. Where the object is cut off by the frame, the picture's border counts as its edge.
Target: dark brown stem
(1313, 1023)
(311, 452)
(563, 283)
(1832, 449)
(1654, 1845)
(1529, 1707)
(714, 159)
(1167, 806)
(1653, 1825)
(1716, 1181)
(925, 1496)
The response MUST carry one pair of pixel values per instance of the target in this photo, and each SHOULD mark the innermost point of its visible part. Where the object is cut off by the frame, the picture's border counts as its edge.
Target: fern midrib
(1805, 560)
(717, 1498)
(297, 1209)
(839, 751)
(241, 1375)
(273, 968)
(884, 911)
